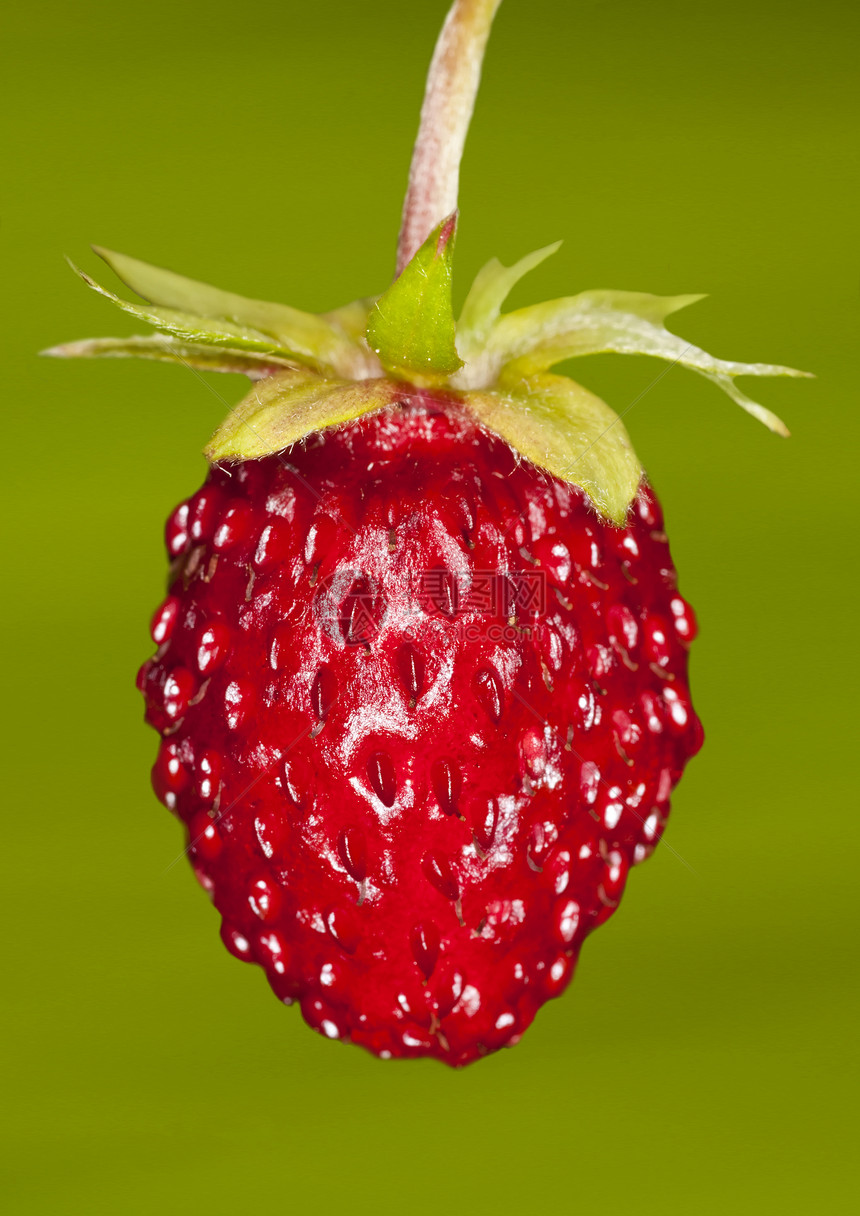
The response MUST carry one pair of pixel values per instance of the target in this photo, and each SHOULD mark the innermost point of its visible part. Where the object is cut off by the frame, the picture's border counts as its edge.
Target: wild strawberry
(421, 674)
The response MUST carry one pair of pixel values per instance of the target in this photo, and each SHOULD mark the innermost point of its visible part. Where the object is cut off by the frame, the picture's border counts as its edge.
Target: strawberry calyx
(315, 371)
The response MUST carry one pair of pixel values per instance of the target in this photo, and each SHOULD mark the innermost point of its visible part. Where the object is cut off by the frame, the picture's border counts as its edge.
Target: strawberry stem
(449, 98)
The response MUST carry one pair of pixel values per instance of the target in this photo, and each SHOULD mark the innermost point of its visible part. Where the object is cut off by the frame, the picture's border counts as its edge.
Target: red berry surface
(421, 710)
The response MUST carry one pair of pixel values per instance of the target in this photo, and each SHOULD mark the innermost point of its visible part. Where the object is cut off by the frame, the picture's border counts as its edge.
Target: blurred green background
(704, 1059)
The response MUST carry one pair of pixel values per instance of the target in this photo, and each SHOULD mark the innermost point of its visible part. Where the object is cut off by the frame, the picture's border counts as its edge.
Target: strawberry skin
(421, 710)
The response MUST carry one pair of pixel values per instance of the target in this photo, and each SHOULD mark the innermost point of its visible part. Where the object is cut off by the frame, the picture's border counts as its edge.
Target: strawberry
(421, 710)
(421, 673)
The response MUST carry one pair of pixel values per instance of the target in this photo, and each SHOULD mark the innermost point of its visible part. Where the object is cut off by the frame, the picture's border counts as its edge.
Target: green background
(703, 1059)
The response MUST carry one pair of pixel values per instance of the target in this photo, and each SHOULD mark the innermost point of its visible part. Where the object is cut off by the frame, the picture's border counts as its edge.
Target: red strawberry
(420, 715)
(421, 676)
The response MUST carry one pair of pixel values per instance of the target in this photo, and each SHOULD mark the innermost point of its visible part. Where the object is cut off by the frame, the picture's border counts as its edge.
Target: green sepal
(164, 348)
(352, 320)
(563, 428)
(206, 331)
(411, 326)
(282, 409)
(317, 341)
(630, 323)
(492, 285)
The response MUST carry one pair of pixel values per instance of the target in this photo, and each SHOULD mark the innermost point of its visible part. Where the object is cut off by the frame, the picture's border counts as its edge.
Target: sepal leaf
(568, 431)
(411, 327)
(190, 327)
(352, 319)
(164, 348)
(536, 338)
(315, 340)
(287, 407)
(492, 285)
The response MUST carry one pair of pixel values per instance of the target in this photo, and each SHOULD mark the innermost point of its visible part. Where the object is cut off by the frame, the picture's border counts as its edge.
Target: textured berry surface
(421, 710)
